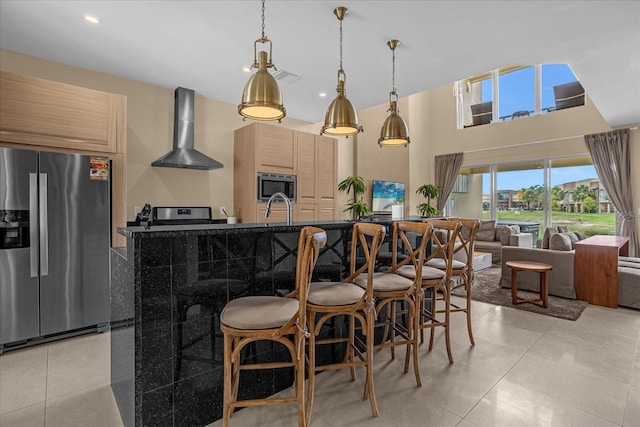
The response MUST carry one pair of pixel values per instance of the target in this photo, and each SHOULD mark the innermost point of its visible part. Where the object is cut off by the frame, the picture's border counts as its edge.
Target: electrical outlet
(222, 210)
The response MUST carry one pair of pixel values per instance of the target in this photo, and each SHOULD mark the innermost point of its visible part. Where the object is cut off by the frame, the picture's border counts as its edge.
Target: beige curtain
(447, 169)
(612, 161)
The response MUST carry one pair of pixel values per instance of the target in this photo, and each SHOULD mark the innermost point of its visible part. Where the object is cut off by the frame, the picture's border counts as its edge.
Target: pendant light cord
(263, 37)
(341, 45)
(393, 72)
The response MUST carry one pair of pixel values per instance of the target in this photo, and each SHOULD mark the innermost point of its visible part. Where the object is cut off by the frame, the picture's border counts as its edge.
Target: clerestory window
(516, 92)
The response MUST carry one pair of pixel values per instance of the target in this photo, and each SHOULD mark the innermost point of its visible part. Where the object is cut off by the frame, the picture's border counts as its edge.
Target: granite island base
(168, 289)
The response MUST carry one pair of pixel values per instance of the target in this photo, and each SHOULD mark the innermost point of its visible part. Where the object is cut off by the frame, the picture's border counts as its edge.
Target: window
(475, 98)
(537, 194)
(515, 92)
(553, 76)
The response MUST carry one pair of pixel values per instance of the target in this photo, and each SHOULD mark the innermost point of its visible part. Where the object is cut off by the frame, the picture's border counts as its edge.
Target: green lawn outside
(589, 223)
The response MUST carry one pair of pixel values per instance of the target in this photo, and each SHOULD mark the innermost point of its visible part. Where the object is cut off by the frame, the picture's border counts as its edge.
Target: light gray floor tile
(595, 394)
(509, 404)
(23, 378)
(95, 407)
(78, 364)
(632, 411)
(613, 355)
(30, 416)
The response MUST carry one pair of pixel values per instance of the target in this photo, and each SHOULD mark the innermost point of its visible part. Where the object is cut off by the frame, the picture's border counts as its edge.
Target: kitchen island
(168, 288)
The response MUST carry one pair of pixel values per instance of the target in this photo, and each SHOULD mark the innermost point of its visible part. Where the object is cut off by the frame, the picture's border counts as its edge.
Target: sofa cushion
(629, 287)
(505, 233)
(548, 232)
(574, 238)
(581, 235)
(560, 242)
(562, 229)
(487, 231)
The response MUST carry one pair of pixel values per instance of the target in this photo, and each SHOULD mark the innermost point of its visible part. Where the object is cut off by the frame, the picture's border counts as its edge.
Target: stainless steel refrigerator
(55, 239)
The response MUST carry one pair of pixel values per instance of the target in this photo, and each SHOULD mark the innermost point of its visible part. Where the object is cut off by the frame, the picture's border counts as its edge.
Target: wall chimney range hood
(183, 154)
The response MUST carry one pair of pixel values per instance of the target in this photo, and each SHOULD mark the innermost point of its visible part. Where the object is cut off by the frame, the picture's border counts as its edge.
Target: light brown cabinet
(41, 114)
(317, 176)
(265, 148)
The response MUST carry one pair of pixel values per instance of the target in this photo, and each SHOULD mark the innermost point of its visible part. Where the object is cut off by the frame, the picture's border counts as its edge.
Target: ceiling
(203, 45)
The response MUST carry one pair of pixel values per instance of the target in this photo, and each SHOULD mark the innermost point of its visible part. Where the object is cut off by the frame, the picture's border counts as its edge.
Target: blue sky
(516, 87)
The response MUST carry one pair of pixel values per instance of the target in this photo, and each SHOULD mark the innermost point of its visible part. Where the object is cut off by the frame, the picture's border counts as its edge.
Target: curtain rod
(531, 143)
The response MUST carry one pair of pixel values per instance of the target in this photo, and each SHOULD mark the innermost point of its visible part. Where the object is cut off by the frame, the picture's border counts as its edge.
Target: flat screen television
(385, 195)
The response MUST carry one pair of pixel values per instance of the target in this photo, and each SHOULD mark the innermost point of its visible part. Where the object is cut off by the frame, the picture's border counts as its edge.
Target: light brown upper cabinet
(40, 114)
(265, 148)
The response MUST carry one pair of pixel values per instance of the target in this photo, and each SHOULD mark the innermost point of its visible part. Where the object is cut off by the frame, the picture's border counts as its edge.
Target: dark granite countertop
(280, 227)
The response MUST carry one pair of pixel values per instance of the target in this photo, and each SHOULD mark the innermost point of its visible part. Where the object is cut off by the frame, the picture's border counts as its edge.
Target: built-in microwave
(271, 183)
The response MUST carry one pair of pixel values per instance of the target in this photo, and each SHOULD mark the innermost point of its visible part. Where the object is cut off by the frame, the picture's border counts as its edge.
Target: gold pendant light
(341, 118)
(394, 131)
(261, 99)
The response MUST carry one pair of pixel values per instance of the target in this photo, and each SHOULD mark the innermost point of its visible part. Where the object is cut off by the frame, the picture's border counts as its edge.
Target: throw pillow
(487, 231)
(505, 233)
(559, 242)
(574, 238)
(547, 235)
(563, 229)
(581, 235)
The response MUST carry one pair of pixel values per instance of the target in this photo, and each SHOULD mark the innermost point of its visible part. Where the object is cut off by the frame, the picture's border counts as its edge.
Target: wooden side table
(596, 269)
(537, 267)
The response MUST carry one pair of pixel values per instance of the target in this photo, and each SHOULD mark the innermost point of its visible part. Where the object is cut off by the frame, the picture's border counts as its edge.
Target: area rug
(486, 288)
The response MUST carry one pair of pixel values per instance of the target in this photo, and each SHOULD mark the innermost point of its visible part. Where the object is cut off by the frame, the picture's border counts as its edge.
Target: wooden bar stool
(437, 280)
(279, 319)
(389, 288)
(536, 267)
(330, 299)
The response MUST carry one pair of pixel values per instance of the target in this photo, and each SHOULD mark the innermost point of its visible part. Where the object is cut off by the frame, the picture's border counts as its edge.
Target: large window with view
(515, 92)
(537, 194)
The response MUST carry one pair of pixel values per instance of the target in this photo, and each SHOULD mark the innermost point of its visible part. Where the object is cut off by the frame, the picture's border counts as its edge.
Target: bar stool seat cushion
(384, 282)
(441, 264)
(334, 293)
(259, 312)
(427, 272)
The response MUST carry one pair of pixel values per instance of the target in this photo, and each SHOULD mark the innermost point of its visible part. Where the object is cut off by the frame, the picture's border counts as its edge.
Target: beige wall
(150, 135)
(431, 117)
(374, 162)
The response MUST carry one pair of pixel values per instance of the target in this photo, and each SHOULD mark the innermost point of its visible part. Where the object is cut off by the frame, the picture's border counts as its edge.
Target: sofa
(629, 282)
(492, 238)
(560, 279)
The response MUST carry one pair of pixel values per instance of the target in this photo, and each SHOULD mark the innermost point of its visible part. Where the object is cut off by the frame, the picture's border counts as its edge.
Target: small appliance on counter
(175, 215)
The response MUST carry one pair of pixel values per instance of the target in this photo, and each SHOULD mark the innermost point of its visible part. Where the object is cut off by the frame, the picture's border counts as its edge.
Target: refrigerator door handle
(33, 224)
(44, 227)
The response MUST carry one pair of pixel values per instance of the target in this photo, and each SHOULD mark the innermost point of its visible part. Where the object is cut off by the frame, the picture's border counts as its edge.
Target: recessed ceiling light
(322, 94)
(246, 69)
(91, 19)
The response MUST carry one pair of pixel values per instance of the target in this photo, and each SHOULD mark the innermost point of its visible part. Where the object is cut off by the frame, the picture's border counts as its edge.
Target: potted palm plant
(356, 205)
(428, 191)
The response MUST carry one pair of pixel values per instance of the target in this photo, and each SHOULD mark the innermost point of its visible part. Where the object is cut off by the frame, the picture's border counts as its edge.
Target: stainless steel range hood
(183, 154)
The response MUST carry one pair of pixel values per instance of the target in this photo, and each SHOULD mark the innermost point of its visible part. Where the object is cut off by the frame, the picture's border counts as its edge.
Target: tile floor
(525, 370)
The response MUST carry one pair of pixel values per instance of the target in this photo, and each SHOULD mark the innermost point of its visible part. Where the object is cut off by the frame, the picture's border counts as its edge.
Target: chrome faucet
(286, 201)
